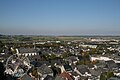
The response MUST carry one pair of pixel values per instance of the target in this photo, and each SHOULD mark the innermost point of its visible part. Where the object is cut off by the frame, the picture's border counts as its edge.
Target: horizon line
(66, 35)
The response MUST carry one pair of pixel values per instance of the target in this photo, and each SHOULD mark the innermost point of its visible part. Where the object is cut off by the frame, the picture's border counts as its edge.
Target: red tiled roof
(66, 75)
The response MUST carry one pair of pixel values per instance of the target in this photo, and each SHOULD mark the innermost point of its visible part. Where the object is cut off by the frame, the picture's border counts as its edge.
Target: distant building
(27, 51)
(91, 46)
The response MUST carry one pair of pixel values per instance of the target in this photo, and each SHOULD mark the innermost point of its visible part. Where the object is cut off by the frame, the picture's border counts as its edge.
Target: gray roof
(103, 70)
(59, 78)
(114, 78)
(27, 50)
(48, 77)
(58, 62)
(101, 65)
(74, 73)
(44, 69)
(90, 65)
(95, 72)
(26, 77)
(81, 66)
(82, 69)
(45, 62)
(111, 64)
(72, 58)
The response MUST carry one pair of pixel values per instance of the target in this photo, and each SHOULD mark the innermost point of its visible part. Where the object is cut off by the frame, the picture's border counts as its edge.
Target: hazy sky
(55, 17)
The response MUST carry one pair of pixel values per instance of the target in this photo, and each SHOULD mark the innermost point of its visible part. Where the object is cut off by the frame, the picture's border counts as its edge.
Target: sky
(60, 17)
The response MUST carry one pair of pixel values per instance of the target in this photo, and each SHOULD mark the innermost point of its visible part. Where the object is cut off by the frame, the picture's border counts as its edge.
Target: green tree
(34, 72)
(52, 56)
(106, 75)
(64, 55)
(1, 46)
(103, 76)
(93, 51)
(110, 74)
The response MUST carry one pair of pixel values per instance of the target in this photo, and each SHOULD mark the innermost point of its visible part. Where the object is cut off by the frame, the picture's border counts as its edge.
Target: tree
(110, 74)
(103, 76)
(106, 75)
(34, 72)
(64, 55)
(55, 70)
(93, 51)
(45, 56)
(52, 56)
(1, 46)
(2, 69)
